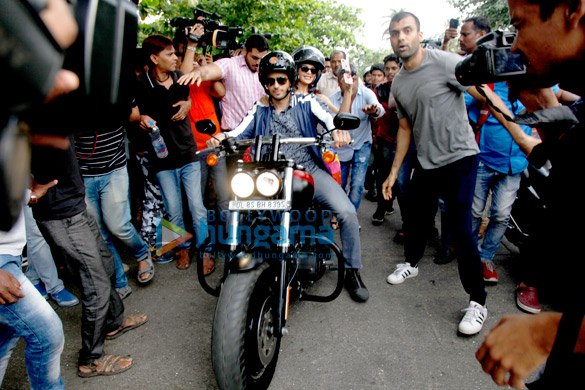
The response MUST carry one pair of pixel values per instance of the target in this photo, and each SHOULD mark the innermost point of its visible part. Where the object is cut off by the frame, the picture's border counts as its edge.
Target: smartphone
(347, 71)
(453, 23)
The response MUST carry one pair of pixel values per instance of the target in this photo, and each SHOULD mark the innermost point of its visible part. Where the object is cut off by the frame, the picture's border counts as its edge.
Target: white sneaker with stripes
(403, 271)
(475, 316)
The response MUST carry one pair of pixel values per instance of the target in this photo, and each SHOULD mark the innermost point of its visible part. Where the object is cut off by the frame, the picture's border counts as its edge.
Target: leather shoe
(444, 256)
(356, 287)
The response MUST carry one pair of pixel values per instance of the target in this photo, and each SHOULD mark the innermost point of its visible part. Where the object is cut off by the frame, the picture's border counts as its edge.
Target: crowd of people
(424, 139)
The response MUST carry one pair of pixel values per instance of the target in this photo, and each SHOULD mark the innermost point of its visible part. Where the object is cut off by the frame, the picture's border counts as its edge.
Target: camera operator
(520, 344)
(239, 75)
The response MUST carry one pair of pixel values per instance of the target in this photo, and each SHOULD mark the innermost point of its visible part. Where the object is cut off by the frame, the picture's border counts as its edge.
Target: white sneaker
(403, 271)
(473, 319)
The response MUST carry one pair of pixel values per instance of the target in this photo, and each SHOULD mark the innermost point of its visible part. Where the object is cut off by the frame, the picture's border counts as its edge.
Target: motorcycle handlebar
(318, 141)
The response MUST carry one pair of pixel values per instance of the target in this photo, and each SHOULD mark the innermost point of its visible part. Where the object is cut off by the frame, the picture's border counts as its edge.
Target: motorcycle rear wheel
(244, 346)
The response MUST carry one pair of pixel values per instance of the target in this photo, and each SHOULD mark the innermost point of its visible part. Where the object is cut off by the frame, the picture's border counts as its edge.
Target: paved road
(404, 337)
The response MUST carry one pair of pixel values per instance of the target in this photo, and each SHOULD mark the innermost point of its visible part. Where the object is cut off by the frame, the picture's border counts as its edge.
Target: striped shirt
(242, 90)
(100, 153)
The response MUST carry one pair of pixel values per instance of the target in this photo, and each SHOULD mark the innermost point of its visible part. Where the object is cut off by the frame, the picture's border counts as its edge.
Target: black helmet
(310, 55)
(276, 61)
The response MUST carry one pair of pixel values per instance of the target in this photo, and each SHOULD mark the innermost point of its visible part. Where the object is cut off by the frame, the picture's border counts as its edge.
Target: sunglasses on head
(306, 69)
(281, 80)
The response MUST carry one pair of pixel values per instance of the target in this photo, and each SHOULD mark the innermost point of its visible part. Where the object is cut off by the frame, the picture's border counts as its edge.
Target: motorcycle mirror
(205, 126)
(345, 121)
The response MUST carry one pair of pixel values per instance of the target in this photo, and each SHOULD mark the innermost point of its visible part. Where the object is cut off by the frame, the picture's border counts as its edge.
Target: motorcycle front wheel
(244, 346)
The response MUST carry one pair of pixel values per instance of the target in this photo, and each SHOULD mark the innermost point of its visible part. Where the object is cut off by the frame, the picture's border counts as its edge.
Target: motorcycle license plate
(259, 204)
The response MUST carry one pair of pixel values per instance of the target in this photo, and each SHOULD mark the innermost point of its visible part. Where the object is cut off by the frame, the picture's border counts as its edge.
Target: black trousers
(455, 184)
(79, 244)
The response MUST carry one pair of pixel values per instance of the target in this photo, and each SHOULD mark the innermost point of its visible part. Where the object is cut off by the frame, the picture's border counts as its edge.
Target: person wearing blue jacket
(501, 163)
(291, 115)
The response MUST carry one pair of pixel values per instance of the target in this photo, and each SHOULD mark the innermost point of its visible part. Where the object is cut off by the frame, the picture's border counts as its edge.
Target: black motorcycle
(277, 244)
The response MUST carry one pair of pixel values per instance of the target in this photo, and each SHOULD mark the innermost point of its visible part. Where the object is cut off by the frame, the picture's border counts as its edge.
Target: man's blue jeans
(108, 201)
(33, 319)
(41, 265)
(170, 185)
(358, 166)
(332, 197)
(504, 188)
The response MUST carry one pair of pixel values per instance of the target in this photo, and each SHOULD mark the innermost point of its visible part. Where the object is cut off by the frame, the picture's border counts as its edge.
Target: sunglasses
(306, 69)
(280, 80)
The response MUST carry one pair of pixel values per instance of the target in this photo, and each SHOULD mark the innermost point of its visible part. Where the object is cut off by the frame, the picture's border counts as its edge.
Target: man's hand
(341, 138)
(193, 77)
(9, 288)
(517, 346)
(346, 87)
(145, 122)
(388, 184)
(185, 106)
(39, 190)
(371, 109)
(213, 142)
(197, 30)
(450, 33)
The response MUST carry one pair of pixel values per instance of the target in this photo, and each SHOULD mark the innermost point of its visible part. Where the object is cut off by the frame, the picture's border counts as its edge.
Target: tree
(292, 23)
(495, 10)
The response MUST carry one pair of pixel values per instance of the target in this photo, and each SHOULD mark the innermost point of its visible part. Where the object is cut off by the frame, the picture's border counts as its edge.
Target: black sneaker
(399, 237)
(372, 195)
(356, 287)
(444, 256)
(378, 217)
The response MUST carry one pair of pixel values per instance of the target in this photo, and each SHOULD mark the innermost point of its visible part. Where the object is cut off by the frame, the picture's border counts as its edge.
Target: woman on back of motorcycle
(310, 63)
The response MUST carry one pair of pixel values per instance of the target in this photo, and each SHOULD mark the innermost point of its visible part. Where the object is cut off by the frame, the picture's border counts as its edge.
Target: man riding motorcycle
(290, 115)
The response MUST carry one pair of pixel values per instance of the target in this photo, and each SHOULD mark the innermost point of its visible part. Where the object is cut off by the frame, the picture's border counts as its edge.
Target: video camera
(492, 61)
(216, 35)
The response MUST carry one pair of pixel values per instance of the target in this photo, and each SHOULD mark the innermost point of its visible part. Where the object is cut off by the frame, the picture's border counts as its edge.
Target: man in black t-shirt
(75, 239)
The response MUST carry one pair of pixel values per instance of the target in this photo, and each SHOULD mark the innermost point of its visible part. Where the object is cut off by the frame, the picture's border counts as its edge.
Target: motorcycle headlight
(268, 184)
(242, 185)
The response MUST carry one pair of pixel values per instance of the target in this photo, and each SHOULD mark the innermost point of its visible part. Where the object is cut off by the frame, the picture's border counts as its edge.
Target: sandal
(128, 324)
(124, 292)
(208, 264)
(184, 260)
(106, 365)
(148, 270)
(334, 224)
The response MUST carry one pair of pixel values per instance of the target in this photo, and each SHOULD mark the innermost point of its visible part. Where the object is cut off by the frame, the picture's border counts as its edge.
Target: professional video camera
(492, 61)
(217, 35)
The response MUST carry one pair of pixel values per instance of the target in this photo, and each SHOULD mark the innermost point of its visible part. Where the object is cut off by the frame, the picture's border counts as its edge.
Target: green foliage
(292, 23)
(495, 10)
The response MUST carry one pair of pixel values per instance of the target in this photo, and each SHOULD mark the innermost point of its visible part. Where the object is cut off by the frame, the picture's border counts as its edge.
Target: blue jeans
(358, 166)
(41, 266)
(332, 197)
(504, 188)
(33, 319)
(170, 185)
(401, 188)
(107, 198)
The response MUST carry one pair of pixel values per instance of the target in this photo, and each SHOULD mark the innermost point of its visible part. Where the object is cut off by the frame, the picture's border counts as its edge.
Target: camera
(492, 61)
(216, 35)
